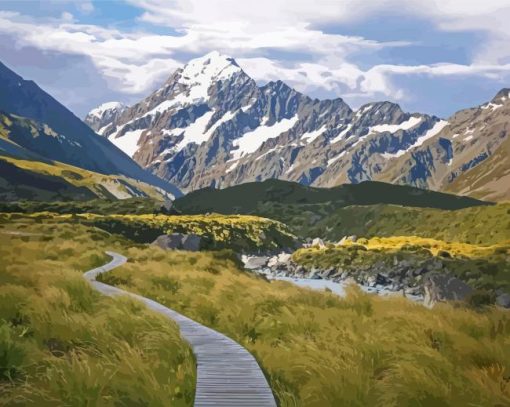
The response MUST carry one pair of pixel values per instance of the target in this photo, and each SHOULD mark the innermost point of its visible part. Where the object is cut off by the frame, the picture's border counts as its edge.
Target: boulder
(254, 262)
(444, 287)
(284, 258)
(345, 239)
(503, 300)
(315, 275)
(318, 242)
(178, 241)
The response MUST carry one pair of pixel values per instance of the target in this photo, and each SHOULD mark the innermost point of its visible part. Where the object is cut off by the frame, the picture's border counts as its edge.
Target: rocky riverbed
(281, 267)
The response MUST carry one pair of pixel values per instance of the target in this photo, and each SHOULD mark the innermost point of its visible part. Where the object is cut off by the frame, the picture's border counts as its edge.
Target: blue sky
(434, 57)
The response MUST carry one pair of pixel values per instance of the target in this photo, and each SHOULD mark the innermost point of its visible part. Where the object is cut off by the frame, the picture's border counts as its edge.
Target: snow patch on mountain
(128, 142)
(439, 126)
(393, 128)
(312, 135)
(333, 160)
(341, 134)
(201, 72)
(251, 141)
(195, 132)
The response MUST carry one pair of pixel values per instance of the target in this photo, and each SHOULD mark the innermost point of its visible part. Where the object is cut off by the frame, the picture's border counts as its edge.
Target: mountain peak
(105, 107)
(502, 95)
(211, 67)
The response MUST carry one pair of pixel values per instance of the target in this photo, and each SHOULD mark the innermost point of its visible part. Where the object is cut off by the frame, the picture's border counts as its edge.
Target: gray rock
(315, 275)
(179, 241)
(255, 262)
(444, 287)
(503, 300)
(318, 242)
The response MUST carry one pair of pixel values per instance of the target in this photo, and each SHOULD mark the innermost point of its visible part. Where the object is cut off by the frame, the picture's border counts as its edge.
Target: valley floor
(63, 343)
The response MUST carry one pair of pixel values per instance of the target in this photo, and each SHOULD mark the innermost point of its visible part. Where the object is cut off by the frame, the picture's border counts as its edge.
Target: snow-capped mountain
(211, 125)
(100, 117)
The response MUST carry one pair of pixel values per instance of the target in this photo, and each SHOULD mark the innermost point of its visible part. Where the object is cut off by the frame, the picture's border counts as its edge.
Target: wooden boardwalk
(227, 374)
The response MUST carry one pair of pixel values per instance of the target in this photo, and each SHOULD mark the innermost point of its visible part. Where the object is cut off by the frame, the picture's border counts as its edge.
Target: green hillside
(44, 180)
(366, 209)
(248, 197)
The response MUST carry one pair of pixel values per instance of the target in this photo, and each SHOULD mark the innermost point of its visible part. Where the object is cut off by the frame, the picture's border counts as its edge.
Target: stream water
(336, 287)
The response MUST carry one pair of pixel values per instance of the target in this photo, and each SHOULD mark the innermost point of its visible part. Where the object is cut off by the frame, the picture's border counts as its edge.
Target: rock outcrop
(178, 241)
(441, 287)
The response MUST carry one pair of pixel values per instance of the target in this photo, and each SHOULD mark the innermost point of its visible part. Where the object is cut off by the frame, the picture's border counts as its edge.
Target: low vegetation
(367, 209)
(481, 225)
(482, 267)
(61, 343)
(321, 350)
(45, 180)
(130, 206)
(240, 233)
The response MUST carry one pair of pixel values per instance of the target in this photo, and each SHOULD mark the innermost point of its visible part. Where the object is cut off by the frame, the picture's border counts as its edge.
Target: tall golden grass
(321, 350)
(63, 344)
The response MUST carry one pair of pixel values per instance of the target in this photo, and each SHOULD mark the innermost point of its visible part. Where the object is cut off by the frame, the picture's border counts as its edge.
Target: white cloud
(133, 62)
(67, 17)
(86, 7)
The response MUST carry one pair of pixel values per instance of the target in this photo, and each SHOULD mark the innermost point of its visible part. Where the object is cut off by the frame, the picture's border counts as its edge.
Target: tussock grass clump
(318, 349)
(62, 343)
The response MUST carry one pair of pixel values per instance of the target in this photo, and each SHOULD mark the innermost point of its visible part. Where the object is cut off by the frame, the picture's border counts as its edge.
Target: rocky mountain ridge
(99, 118)
(211, 125)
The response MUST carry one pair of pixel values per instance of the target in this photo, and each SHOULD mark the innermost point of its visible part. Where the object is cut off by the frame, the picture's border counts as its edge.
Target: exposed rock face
(100, 117)
(469, 156)
(255, 262)
(178, 241)
(211, 125)
(318, 242)
(442, 287)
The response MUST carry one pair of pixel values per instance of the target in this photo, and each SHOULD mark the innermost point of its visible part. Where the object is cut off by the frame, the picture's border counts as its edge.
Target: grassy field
(61, 343)
(321, 350)
(316, 349)
(236, 232)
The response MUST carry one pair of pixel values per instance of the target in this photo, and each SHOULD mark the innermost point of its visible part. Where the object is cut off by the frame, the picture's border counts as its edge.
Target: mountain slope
(245, 198)
(210, 124)
(26, 174)
(469, 155)
(314, 212)
(59, 134)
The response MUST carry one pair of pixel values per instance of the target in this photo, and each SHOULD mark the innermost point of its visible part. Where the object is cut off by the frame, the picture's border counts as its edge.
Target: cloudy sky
(434, 56)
